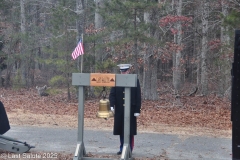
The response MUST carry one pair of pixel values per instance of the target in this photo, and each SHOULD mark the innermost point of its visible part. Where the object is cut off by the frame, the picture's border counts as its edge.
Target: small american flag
(78, 50)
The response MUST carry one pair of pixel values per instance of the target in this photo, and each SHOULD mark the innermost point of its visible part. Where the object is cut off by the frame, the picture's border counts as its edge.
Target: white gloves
(136, 114)
(112, 109)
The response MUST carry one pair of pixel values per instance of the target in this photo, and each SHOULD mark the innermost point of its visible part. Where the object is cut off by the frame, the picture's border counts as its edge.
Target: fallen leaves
(196, 115)
(196, 111)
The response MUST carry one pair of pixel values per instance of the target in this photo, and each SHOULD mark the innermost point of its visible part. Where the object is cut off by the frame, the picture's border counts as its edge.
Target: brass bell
(104, 107)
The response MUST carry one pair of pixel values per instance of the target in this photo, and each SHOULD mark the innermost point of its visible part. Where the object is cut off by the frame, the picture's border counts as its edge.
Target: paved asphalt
(175, 147)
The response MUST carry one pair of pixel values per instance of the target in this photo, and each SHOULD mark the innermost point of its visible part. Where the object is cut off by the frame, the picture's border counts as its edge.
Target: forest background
(181, 50)
(182, 47)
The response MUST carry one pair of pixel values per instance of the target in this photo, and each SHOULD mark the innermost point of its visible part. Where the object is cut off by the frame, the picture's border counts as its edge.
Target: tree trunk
(177, 69)
(98, 25)
(204, 76)
(23, 18)
(135, 46)
(22, 52)
(225, 40)
(150, 65)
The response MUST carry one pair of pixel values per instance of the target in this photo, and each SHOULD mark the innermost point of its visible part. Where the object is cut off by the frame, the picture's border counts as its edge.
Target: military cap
(124, 67)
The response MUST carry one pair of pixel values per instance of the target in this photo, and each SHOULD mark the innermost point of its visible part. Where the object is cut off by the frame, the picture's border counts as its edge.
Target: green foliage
(62, 43)
(233, 19)
(63, 16)
(127, 16)
(5, 5)
(3, 56)
(98, 91)
(54, 91)
(124, 32)
(17, 81)
(57, 80)
(60, 52)
(88, 61)
(105, 66)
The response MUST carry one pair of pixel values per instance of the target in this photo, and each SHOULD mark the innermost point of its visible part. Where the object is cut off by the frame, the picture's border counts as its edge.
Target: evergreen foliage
(40, 49)
(124, 31)
(3, 57)
(233, 19)
(62, 44)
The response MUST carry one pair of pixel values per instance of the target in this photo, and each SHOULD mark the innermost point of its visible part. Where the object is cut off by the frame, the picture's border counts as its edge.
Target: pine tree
(124, 35)
(233, 19)
(124, 28)
(63, 43)
(4, 12)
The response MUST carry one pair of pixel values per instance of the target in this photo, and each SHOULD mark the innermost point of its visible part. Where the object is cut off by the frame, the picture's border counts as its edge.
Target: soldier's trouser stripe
(122, 140)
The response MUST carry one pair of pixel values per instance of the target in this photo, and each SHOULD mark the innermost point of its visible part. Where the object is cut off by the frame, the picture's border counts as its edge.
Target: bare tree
(204, 47)
(98, 25)
(225, 41)
(177, 66)
(150, 59)
(23, 31)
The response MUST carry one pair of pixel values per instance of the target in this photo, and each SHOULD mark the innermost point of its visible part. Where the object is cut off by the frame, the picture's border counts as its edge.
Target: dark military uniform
(4, 123)
(116, 98)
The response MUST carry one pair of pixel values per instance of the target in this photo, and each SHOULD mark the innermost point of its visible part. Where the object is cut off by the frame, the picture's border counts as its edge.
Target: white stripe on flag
(78, 50)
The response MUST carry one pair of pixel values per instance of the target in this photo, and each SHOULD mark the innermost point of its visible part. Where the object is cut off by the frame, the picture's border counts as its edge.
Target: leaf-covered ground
(195, 115)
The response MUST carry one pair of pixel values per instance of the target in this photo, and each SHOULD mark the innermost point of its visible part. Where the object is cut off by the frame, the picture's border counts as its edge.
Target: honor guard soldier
(116, 98)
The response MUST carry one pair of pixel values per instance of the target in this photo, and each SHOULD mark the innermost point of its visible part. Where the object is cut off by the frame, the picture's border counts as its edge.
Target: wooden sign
(102, 79)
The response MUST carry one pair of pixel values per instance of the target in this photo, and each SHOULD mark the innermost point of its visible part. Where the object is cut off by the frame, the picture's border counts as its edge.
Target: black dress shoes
(120, 152)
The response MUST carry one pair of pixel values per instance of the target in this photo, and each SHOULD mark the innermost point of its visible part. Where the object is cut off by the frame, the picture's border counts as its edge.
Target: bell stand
(121, 80)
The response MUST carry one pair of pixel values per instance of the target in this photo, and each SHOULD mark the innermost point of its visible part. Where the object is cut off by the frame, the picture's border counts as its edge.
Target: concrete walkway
(175, 147)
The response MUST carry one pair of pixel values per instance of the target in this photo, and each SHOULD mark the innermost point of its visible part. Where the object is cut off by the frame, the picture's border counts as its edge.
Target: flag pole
(82, 56)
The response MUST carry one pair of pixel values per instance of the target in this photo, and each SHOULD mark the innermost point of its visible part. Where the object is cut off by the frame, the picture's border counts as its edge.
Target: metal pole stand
(118, 80)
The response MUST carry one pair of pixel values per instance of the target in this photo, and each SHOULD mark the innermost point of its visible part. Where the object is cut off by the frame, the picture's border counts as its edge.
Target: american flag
(78, 50)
